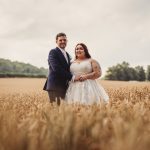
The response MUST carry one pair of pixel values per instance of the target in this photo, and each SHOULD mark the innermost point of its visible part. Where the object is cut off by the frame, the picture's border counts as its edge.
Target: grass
(29, 122)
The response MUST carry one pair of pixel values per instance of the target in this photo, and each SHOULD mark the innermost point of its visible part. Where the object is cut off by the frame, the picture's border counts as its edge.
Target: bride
(85, 89)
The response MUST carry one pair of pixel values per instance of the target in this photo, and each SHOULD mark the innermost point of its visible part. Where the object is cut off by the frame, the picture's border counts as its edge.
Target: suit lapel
(62, 56)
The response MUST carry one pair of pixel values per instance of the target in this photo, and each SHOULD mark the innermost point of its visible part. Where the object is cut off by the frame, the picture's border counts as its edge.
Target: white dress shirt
(64, 53)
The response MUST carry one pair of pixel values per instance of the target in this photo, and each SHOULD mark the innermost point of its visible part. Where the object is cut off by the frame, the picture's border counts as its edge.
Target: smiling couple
(73, 80)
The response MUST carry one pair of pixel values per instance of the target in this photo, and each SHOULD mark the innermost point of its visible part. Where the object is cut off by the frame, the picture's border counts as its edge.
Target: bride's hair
(87, 55)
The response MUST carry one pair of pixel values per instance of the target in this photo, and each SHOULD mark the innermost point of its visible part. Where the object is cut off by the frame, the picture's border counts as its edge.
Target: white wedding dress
(85, 92)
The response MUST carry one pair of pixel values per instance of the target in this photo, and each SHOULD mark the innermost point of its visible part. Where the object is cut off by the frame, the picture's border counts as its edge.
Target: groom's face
(62, 42)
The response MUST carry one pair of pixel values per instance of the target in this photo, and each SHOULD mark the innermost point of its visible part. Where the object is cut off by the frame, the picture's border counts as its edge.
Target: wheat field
(29, 122)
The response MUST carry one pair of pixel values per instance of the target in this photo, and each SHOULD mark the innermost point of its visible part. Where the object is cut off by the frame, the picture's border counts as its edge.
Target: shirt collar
(63, 50)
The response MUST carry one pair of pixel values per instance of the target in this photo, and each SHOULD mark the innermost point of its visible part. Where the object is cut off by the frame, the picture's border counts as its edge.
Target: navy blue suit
(59, 73)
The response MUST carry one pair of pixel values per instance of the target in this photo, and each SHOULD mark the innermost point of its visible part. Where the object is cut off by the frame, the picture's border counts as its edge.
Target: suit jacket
(59, 71)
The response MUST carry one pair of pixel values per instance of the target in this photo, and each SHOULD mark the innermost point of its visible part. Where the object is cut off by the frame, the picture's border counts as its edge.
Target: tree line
(10, 68)
(124, 72)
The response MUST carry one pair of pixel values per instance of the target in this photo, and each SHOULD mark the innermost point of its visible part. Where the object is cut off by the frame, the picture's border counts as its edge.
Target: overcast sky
(113, 30)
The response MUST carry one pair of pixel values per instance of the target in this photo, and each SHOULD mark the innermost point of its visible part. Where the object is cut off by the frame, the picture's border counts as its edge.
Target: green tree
(148, 73)
(124, 72)
(121, 72)
(141, 73)
(19, 69)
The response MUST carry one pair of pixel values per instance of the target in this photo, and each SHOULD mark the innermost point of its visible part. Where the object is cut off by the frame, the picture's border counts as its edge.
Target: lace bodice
(83, 67)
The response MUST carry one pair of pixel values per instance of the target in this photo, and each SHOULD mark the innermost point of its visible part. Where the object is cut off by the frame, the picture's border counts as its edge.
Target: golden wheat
(29, 122)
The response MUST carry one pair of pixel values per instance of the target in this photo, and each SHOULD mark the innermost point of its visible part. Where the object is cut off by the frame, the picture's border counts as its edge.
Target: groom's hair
(87, 55)
(60, 34)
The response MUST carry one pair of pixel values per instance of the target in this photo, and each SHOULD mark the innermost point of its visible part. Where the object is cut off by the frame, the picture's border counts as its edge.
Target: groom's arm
(56, 66)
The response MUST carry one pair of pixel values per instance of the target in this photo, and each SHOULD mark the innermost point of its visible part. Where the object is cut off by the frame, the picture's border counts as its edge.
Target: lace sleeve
(96, 70)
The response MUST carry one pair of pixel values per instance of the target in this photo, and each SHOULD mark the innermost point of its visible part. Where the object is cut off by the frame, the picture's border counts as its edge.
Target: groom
(59, 70)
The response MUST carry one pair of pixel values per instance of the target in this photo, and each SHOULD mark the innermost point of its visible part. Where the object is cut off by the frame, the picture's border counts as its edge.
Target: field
(29, 122)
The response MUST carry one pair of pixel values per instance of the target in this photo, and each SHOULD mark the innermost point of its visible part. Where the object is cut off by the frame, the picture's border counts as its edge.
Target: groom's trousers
(56, 96)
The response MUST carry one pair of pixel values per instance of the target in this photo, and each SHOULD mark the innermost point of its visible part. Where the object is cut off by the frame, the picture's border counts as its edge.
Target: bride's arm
(96, 71)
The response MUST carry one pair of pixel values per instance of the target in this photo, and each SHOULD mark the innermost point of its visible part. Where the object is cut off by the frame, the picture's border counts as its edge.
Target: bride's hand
(83, 78)
(77, 78)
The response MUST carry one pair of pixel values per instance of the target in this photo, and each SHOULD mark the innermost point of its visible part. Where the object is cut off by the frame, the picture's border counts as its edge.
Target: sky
(113, 30)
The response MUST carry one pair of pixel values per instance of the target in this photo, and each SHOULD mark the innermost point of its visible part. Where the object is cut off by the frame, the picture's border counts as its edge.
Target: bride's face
(80, 51)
